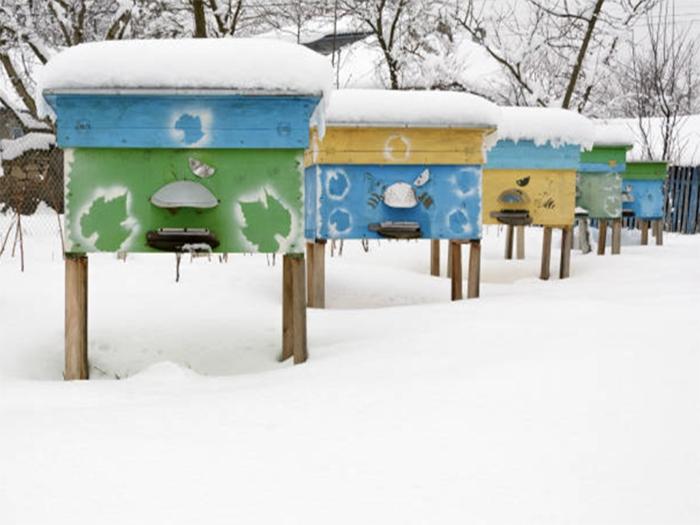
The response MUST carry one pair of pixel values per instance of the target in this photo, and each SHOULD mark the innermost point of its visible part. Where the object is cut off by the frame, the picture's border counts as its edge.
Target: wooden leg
(616, 236)
(316, 274)
(293, 309)
(509, 241)
(449, 259)
(644, 228)
(520, 242)
(474, 275)
(602, 233)
(76, 366)
(456, 258)
(659, 232)
(546, 252)
(435, 257)
(584, 241)
(565, 258)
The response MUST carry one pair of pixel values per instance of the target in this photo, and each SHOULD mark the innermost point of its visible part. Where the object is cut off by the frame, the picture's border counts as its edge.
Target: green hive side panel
(600, 194)
(646, 171)
(109, 209)
(605, 155)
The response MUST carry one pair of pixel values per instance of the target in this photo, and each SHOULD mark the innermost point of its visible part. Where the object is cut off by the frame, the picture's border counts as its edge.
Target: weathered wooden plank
(448, 271)
(520, 242)
(546, 253)
(474, 271)
(659, 225)
(378, 145)
(584, 243)
(616, 236)
(694, 203)
(76, 317)
(435, 257)
(509, 241)
(294, 309)
(456, 277)
(526, 155)
(604, 159)
(316, 274)
(182, 121)
(602, 234)
(565, 256)
(644, 229)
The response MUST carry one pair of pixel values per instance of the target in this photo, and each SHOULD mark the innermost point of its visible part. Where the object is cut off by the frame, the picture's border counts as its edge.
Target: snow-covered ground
(571, 401)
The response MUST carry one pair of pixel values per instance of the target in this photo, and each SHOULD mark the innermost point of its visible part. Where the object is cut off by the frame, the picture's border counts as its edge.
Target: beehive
(530, 176)
(643, 189)
(599, 182)
(398, 164)
(166, 150)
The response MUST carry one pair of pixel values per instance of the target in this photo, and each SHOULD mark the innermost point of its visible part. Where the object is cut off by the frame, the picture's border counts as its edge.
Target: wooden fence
(683, 199)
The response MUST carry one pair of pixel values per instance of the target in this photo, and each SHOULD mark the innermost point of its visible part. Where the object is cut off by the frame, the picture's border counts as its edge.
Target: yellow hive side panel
(550, 195)
(349, 145)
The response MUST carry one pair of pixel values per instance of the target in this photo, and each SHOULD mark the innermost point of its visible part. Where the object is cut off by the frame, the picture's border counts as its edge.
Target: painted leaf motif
(265, 220)
(200, 169)
(423, 178)
(107, 219)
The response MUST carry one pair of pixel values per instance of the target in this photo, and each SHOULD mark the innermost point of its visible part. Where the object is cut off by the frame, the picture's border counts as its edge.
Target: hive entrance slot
(512, 217)
(397, 229)
(179, 239)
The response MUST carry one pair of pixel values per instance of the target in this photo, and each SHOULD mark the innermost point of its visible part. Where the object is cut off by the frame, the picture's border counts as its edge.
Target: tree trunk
(582, 54)
(200, 22)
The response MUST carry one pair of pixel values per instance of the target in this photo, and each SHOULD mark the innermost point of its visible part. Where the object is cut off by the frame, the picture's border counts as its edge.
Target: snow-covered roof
(553, 126)
(238, 64)
(380, 107)
(613, 133)
(10, 149)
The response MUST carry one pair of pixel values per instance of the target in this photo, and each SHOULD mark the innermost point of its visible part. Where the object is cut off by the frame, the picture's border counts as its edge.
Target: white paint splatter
(389, 149)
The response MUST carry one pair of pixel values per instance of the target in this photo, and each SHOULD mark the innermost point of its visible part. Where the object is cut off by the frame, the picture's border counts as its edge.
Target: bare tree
(553, 51)
(663, 82)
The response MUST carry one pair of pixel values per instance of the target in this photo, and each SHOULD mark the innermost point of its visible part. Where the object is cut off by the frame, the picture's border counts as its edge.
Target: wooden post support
(616, 236)
(456, 258)
(509, 241)
(565, 257)
(602, 233)
(474, 273)
(644, 229)
(520, 242)
(293, 308)
(659, 232)
(450, 249)
(316, 274)
(546, 252)
(76, 290)
(435, 257)
(584, 242)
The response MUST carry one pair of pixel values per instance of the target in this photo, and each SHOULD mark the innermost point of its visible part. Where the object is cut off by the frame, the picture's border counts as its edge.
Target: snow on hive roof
(610, 133)
(239, 64)
(10, 149)
(380, 107)
(553, 126)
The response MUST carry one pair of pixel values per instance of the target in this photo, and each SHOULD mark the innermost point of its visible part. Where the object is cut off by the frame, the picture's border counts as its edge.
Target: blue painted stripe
(182, 121)
(601, 167)
(525, 154)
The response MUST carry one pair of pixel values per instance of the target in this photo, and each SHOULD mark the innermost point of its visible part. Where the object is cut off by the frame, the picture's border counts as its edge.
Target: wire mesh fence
(31, 195)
